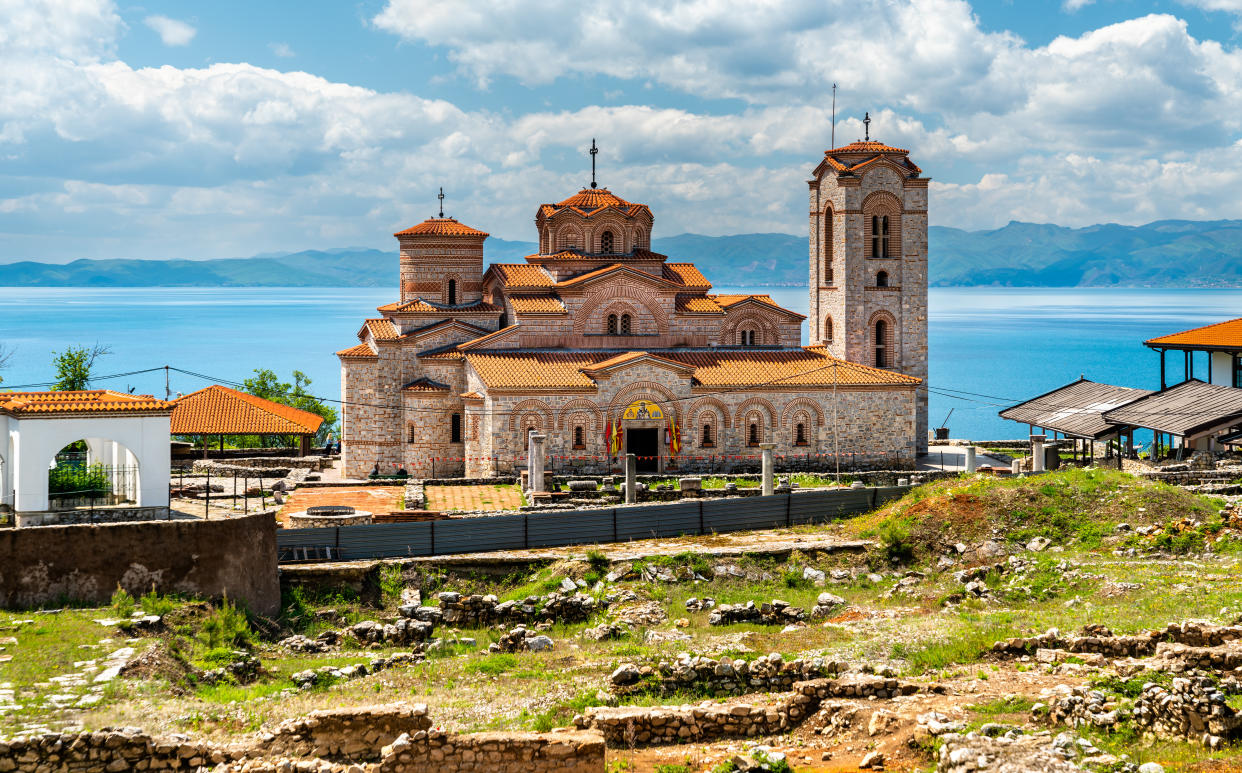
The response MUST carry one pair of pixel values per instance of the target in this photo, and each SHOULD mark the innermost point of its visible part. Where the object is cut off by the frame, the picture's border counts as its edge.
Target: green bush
(391, 584)
(226, 627)
(122, 602)
(895, 542)
(155, 604)
(92, 481)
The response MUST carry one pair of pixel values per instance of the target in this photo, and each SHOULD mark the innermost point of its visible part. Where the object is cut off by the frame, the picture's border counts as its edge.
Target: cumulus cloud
(1074, 5)
(172, 32)
(282, 50)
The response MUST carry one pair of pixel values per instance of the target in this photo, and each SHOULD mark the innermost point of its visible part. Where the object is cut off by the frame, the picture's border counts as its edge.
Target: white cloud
(172, 32)
(282, 50)
(1073, 5)
(1232, 6)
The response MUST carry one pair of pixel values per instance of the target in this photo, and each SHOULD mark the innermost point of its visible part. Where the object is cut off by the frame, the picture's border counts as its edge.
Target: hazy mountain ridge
(1166, 253)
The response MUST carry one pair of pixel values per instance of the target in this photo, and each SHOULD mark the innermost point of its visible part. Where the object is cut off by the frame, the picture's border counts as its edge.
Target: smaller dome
(441, 226)
(871, 146)
(593, 198)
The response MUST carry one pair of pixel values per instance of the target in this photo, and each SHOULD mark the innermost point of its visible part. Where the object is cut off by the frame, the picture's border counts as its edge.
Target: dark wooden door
(645, 444)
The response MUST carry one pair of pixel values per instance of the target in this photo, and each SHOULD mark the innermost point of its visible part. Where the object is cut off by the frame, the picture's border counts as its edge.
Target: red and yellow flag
(674, 437)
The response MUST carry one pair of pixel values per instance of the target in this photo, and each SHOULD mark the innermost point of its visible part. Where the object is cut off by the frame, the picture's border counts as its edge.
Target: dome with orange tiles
(442, 226)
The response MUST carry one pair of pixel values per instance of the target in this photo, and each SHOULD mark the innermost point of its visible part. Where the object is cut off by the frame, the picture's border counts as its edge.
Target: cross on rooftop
(441, 198)
(594, 152)
(867, 126)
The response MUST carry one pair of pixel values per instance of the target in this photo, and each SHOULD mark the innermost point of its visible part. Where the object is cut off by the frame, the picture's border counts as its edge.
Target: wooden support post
(1162, 385)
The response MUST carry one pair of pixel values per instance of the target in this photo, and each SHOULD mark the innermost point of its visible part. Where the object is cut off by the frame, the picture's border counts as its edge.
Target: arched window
(754, 434)
(746, 338)
(884, 236)
(800, 435)
(707, 435)
(828, 330)
(411, 438)
(455, 428)
(881, 344)
(578, 437)
(626, 327)
(828, 247)
(879, 236)
(606, 242)
(452, 291)
(881, 279)
(612, 324)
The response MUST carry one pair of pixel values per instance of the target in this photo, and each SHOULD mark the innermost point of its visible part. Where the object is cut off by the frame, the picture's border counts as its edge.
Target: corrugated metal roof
(1075, 409)
(1186, 409)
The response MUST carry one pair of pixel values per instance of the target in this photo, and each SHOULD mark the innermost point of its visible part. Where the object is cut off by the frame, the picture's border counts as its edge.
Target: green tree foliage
(267, 384)
(73, 366)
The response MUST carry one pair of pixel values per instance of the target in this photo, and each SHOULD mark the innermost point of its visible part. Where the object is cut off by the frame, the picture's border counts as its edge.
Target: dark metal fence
(578, 527)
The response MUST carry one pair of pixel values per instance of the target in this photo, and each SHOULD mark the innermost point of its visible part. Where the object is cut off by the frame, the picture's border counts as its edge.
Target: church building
(608, 348)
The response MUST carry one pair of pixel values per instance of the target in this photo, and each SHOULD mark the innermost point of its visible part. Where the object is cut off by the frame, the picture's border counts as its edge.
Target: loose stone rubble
(768, 673)
(476, 611)
(775, 613)
(313, 677)
(522, 640)
(975, 753)
(1192, 708)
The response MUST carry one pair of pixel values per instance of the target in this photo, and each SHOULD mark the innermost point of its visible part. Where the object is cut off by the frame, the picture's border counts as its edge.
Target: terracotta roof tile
(89, 401)
(628, 357)
(685, 274)
(425, 385)
(609, 269)
(357, 352)
(543, 303)
(533, 370)
(730, 300)
(380, 329)
(418, 305)
(588, 201)
(697, 304)
(867, 147)
(218, 410)
(1223, 335)
(471, 396)
(441, 226)
(521, 275)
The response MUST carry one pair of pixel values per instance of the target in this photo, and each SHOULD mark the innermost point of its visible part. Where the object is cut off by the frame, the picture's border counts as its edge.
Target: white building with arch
(127, 434)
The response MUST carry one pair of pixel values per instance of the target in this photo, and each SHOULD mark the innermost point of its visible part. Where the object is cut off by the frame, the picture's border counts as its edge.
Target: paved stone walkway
(372, 499)
(473, 498)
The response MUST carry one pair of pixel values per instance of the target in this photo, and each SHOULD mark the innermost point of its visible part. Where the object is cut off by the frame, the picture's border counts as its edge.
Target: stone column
(970, 458)
(631, 471)
(1037, 453)
(768, 468)
(535, 470)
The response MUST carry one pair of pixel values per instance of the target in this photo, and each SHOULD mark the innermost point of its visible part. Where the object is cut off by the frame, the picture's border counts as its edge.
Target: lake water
(1002, 345)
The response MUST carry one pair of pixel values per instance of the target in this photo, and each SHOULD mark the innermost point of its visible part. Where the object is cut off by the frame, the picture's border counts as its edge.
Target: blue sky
(209, 130)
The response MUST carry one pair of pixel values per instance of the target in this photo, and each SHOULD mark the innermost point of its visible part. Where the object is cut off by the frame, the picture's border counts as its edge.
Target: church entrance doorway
(645, 444)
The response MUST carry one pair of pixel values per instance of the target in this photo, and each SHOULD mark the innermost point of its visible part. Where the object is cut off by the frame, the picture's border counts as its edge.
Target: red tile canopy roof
(1221, 335)
(218, 410)
(91, 401)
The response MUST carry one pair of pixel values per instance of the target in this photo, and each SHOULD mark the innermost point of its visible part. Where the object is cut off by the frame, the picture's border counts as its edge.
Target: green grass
(1014, 704)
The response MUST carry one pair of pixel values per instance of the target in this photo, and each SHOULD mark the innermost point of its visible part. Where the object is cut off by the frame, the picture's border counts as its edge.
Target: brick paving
(473, 498)
(373, 499)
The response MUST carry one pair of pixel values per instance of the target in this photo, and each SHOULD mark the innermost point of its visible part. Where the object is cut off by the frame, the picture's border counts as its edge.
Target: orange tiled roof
(543, 303)
(521, 275)
(418, 305)
(588, 201)
(481, 341)
(1222, 335)
(697, 304)
(380, 329)
(471, 396)
(611, 268)
(807, 367)
(425, 329)
(867, 147)
(627, 357)
(361, 350)
(425, 385)
(218, 410)
(685, 274)
(75, 402)
(441, 226)
(574, 254)
(728, 300)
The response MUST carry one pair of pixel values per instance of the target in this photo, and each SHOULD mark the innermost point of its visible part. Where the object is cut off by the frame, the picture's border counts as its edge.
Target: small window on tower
(747, 338)
(452, 291)
(626, 328)
(605, 242)
(612, 324)
(707, 436)
(579, 437)
(800, 435)
(881, 279)
(412, 438)
(875, 236)
(455, 428)
(828, 330)
(881, 344)
(754, 434)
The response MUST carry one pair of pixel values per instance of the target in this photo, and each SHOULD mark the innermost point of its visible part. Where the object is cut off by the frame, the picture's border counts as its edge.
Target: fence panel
(671, 520)
(300, 538)
(636, 522)
(580, 527)
(468, 535)
(748, 513)
(886, 494)
(385, 540)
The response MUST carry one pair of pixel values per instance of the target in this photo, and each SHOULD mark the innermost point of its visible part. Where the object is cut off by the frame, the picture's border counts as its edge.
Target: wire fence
(75, 486)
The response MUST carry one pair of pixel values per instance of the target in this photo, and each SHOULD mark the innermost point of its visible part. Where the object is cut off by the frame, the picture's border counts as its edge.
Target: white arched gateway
(126, 435)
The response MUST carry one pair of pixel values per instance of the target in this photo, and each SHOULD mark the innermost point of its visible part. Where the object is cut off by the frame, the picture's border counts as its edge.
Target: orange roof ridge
(361, 350)
(490, 337)
(1225, 335)
(732, 299)
(219, 410)
(867, 146)
(626, 357)
(441, 226)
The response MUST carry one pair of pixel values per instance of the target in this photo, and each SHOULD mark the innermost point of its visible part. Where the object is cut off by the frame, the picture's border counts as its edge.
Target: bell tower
(868, 262)
(441, 261)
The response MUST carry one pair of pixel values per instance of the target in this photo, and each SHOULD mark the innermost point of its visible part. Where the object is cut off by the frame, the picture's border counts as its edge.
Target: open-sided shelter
(218, 410)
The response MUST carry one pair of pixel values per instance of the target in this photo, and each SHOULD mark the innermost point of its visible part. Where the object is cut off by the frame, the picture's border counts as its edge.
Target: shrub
(155, 604)
(122, 602)
(895, 542)
(92, 481)
(391, 584)
(226, 627)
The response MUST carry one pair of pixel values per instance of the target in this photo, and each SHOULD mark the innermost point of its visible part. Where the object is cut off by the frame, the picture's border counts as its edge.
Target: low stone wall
(974, 753)
(1191, 708)
(110, 514)
(268, 463)
(345, 734)
(495, 753)
(85, 564)
(1191, 633)
(477, 611)
(696, 674)
(305, 520)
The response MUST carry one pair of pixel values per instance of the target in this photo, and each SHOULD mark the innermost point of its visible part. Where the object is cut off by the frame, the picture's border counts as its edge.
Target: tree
(267, 384)
(73, 366)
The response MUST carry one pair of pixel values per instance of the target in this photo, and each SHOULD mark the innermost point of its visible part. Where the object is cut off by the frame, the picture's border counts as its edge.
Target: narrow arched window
(881, 279)
(455, 428)
(452, 291)
(828, 330)
(881, 344)
(707, 435)
(578, 437)
(412, 438)
(606, 242)
(884, 236)
(626, 328)
(875, 236)
(754, 434)
(612, 324)
(828, 247)
(800, 435)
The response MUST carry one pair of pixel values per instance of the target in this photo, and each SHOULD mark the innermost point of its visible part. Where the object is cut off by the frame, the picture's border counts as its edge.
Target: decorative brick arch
(827, 224)
(649, 390)
(639, 297)
(762, 323)
(458, 284)
(640, 322)
(704, 402)
(802, 405)
(892, 348)
(609, 222)
(527, 408)
(561, 237)
(760, 404)
(576, 406)
(880, 204)
(828, 331)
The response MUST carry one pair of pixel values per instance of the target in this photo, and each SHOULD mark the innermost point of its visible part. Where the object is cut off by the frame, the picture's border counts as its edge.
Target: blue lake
(1003, 345)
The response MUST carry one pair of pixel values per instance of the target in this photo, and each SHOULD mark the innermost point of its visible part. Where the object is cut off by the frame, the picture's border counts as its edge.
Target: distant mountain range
(1167, 253)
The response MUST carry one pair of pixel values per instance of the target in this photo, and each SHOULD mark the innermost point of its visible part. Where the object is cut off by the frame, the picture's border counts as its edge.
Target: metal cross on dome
(867, 126)
(441, 198)
(594, 152)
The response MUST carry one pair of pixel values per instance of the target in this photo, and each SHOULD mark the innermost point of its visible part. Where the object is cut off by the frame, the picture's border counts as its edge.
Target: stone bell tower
(441, 261)
(868, 262)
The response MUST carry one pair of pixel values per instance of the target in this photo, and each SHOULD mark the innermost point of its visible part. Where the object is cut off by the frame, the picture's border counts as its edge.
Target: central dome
(592, 199)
